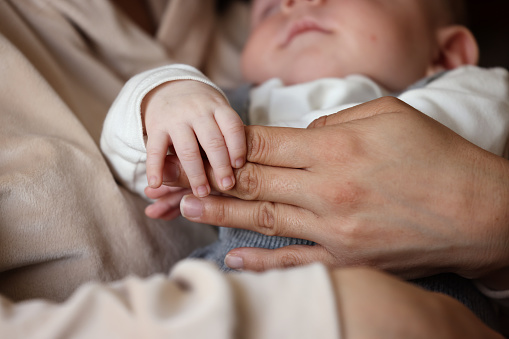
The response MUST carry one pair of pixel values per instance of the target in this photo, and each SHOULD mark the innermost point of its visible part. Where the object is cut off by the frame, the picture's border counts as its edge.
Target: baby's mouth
(299, 27)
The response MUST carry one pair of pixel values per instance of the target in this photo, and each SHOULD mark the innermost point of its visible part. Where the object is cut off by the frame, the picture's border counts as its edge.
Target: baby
(305, 59)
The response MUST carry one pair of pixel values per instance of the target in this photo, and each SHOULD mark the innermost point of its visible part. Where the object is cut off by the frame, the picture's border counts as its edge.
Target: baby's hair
(456, 11)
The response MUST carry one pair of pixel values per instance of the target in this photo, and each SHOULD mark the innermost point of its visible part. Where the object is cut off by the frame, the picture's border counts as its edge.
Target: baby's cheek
(253, 68)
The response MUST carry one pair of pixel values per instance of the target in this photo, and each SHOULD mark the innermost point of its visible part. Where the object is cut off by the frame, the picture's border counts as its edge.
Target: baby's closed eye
(262, 9)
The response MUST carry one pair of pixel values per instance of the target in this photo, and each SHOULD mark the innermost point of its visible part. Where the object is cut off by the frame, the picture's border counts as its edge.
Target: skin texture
(394, 42)
(334, 184)
(396, 315)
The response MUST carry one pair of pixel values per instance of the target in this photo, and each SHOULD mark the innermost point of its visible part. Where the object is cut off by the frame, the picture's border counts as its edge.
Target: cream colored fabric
(63, 218)
(195, 301)
(64, 221)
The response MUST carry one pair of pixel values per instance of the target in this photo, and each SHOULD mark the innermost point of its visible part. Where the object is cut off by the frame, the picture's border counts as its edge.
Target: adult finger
(264, 217)
(157, 147)
(371, 108)
(234, 134)
(210, 137)
(279, 146)
(255, 182)
(188, 152)
(275, 184)
(260, 259)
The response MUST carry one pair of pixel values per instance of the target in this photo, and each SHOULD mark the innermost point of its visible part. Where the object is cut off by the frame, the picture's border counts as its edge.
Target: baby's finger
(157, 147)
(167, 206)
(156, 193)
(234, 134)
(188, 152)
(212, 141)
(162, 210)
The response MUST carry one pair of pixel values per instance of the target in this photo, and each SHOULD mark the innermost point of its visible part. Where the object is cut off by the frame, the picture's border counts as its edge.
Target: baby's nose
(289, 4)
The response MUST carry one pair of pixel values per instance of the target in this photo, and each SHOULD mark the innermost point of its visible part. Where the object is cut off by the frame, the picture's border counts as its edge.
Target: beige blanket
(63, 218)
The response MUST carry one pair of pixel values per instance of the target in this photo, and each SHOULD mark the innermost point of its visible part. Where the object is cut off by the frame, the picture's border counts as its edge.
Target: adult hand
(380, 184)
(376, 305)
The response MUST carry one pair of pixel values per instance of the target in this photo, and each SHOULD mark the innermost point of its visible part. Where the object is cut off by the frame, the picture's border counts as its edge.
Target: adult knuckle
(348, 194)
(248, 183)
(220, 214)
(265, 218)
(290, 259)
(353, 235)
(256, 144)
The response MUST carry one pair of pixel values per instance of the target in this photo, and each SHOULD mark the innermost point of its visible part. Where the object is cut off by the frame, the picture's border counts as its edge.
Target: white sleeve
(122, 139)
(471, 101)
(195, 301)
(501, 298)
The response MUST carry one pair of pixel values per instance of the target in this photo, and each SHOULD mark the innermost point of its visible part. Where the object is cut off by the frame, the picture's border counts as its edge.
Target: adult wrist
(493, 210)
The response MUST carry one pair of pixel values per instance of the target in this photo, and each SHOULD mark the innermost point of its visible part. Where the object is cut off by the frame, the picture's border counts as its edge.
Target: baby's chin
(287, 79)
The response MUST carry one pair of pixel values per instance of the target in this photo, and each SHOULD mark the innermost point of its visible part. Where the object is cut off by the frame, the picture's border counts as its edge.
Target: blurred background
(489, 21)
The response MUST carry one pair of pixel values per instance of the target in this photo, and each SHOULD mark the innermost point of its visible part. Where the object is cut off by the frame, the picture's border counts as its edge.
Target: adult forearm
(491, 208)
(377, 305)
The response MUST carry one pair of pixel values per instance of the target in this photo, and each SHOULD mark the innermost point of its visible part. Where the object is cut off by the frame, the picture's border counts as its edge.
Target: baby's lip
(301, 26)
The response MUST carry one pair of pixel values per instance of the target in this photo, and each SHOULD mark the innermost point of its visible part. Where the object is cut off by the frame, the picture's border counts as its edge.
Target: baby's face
(391, 41)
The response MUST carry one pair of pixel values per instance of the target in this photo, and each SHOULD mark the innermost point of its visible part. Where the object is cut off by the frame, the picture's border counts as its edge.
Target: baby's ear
(457, 47)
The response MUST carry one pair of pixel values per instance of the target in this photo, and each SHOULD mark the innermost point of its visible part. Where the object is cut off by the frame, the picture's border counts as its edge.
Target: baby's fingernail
(191, 207)
(234, 262)
(239, 163)
(202, 191)
(227, 183)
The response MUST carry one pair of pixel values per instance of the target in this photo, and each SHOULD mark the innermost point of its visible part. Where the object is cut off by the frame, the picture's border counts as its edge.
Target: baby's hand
(167, 204)
(182, 113)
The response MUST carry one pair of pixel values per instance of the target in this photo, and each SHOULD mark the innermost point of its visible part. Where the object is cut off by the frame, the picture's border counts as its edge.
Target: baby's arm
(186, 114)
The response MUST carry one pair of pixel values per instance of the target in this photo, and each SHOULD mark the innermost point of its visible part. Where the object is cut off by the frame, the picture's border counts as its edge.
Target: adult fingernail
(191, 207)
(152, 182)
(227, 183)
(234, 262)
(171, 172)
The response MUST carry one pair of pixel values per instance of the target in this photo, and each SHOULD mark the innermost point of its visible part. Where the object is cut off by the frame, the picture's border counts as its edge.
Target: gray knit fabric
(450, 284)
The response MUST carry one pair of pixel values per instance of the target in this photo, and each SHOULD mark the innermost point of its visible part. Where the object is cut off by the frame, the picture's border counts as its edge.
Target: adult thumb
(366, 110)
